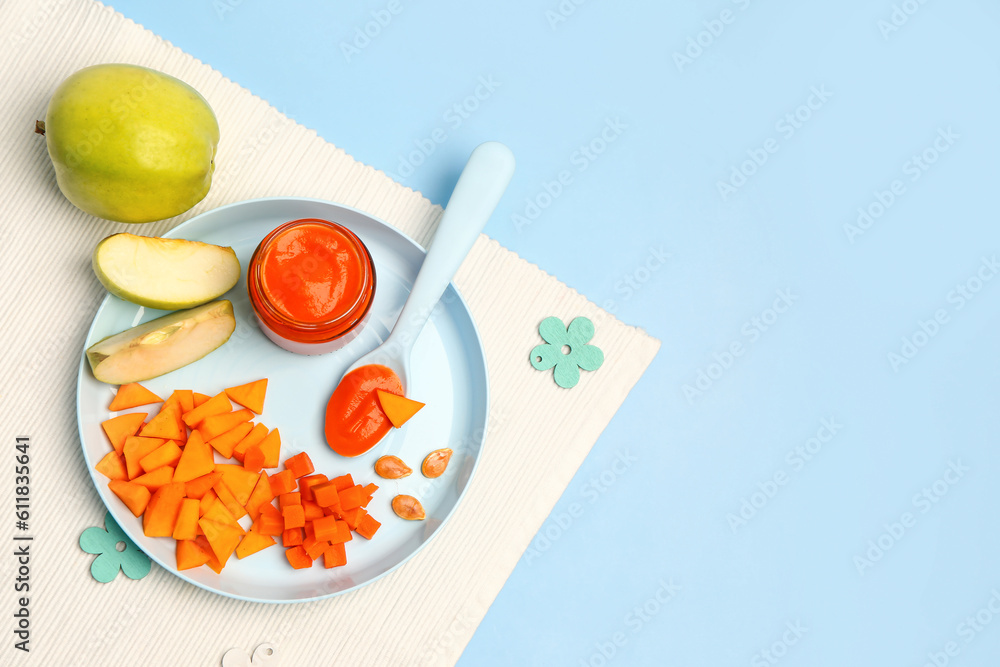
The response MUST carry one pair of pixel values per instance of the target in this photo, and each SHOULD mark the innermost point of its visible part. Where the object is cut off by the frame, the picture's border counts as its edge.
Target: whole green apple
(131, 144)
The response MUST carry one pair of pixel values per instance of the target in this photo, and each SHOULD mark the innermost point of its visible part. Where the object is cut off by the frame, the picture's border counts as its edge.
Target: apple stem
(40, 127)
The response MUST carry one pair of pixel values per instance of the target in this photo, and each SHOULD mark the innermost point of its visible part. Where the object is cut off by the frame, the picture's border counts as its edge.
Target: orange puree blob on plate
(355, 422)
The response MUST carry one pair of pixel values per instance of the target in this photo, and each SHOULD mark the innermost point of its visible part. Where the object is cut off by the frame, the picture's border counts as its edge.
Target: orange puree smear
(312, 273)
(355, 421)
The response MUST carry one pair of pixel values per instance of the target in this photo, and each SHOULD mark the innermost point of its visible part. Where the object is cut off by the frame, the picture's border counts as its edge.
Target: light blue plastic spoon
(477, 193)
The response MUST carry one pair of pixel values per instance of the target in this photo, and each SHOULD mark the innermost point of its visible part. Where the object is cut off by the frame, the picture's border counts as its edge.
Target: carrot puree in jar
(355, 421)
(311, 282)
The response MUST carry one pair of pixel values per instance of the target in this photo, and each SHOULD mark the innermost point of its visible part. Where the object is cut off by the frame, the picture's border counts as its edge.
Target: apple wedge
(162, 345)
(167, 274)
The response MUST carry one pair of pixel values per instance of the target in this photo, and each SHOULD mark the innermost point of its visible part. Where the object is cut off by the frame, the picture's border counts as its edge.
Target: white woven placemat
(422, 614)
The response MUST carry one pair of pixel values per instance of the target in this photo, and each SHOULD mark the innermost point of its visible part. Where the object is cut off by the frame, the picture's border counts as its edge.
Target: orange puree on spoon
(355, 421)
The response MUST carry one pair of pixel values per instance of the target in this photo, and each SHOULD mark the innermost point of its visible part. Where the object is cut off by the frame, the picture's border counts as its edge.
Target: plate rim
(484, 427)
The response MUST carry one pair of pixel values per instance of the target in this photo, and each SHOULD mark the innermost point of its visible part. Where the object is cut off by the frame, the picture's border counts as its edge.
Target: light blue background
(674, 469)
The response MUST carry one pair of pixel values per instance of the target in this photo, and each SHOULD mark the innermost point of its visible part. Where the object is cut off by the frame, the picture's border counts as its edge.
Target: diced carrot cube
(298, 557)
(306, 483)
(368, 526)
(369, 492)
(282, 482)
(300, 465)
(334, 556)
(294, 516)
(343, 482)
(269, 521)
(314, 547)
(343, 533)
(350, 498)
(291, 537)
(326, 495)
(312, 510)
(325, 528)
(353, 517)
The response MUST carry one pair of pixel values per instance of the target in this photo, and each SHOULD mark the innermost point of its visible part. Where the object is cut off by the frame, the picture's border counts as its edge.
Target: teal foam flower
(566, 349)
(115, 552)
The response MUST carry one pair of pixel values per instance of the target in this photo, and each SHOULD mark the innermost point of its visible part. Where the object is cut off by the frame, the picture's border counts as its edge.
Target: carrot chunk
(282, 482)
(216, 425)
(216, 405)
(190, 554)
(135, 496)
(199, 486)
(368, 526)
(161, 512)
(196, 460)
(186, 527)
(294, 516)
(254, 437)
(270, 446)
(249, 395)
(306, 483)
(300, 465)
(132, 395)
(298, 557)
(253, 542)
(120, 427)
(334, 556)
(112, 466)
(291, 537)
(226, 442)
(350, 498)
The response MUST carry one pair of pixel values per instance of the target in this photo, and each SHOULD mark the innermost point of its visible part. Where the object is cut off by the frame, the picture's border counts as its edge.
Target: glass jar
(311, 284)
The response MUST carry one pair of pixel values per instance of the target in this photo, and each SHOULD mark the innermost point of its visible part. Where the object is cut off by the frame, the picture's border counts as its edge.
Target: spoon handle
(477, 193)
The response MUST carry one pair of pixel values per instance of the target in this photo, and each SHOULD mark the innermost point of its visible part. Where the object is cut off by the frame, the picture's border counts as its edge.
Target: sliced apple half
(162, 345)
(166, 274)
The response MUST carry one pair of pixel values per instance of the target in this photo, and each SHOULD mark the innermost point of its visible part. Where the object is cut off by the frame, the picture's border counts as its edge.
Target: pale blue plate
(449, 375)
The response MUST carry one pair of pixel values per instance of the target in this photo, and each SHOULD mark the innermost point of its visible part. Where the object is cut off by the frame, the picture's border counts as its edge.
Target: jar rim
(312, 332)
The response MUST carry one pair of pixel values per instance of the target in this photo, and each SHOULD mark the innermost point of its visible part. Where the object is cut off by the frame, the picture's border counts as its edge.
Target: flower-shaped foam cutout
(566, 350)
(115, 552)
